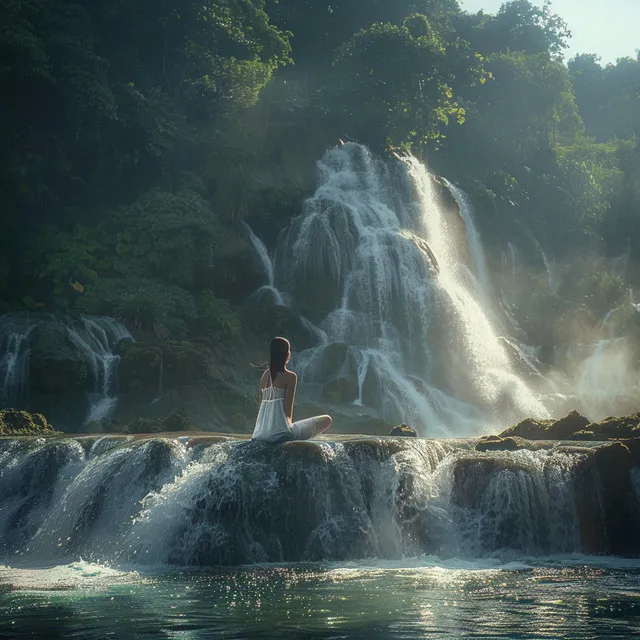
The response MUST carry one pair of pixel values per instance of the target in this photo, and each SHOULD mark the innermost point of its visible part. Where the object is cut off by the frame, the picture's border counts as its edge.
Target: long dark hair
(279, 350)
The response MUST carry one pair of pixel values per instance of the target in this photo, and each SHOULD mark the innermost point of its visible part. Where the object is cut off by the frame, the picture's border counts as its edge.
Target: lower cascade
(202, 501)
(54, 357)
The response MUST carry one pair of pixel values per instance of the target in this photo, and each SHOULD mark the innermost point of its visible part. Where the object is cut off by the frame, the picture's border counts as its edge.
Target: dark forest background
(136, 136)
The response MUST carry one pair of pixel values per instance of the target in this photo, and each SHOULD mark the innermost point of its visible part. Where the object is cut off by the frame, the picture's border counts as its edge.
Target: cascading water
(199, 501)
(268, 291)
(89, 341)
(376, 254)
(14, 359)
(473, 237)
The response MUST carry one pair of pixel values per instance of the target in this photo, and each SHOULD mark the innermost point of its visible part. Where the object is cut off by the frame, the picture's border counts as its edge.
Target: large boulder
(529, 428)
(403, 431)
(13, 422)
(564, 428)
(616, 427)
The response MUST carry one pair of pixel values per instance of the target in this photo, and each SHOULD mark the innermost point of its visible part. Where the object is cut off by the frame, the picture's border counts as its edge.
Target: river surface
(556, 597)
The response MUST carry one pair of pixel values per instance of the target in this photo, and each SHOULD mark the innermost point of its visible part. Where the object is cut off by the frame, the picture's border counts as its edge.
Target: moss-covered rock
(403, 431)
(616, 427)
(529, 428)
(564, 428)
(496, 443)
(576, 427)
(14, 422)
(177, 420)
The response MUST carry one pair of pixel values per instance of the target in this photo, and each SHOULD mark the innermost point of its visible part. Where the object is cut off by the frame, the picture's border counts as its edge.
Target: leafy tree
(518, 116)
(165, 235)
(216, 317)
(393, 82)
(520, 25)
(319, 27)
(608, 97)
(150, 305)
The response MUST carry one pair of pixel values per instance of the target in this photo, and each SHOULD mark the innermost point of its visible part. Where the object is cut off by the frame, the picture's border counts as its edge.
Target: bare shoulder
(264, 376)
(291, 376)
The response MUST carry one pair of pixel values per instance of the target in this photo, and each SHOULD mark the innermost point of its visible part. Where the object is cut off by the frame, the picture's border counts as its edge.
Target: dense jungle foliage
(136, 136)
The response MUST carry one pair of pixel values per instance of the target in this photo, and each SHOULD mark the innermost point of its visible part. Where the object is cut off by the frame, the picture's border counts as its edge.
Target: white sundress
(272, 424)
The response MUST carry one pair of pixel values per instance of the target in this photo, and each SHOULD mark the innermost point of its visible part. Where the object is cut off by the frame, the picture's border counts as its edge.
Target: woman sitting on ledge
(277, 396)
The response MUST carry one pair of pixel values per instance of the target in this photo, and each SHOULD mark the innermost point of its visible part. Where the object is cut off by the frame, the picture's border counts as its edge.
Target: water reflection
(346, 602)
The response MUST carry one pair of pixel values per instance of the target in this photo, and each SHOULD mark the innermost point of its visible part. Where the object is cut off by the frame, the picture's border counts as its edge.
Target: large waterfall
(207, 501)
(398, 283)
(53, 352)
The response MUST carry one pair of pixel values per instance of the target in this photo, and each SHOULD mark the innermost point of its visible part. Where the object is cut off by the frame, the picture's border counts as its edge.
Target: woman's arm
(290, 396)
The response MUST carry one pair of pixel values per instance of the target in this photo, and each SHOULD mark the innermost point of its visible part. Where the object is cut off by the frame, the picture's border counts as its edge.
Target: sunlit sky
(610, 28)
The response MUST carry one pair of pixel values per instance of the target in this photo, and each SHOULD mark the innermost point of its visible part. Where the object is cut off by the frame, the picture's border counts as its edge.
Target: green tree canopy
(395, 82)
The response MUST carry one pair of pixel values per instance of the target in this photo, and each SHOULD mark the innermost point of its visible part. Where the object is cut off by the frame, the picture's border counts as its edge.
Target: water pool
(558, 597)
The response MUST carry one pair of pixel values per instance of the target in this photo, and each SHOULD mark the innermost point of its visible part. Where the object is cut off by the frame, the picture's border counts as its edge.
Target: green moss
(14, 422)
(177, 421)
(403, 430)
(144, 425)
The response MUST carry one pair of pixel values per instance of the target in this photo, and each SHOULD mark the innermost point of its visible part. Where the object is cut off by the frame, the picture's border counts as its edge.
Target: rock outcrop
(13, 422)
(576, 427)
(403, 431)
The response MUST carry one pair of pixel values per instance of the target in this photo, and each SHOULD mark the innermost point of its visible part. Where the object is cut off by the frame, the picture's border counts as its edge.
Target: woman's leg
(310, 427)
(322, 424)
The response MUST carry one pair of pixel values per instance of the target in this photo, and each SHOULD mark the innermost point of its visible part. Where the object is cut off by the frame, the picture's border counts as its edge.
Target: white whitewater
(395, 289)
(473, 236)
(269, 293)
(14, 359)
(266, 263)
(92, 339)
(165, 502)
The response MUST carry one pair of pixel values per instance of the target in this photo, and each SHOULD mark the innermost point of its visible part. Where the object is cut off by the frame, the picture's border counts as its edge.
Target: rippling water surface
(569, 597)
